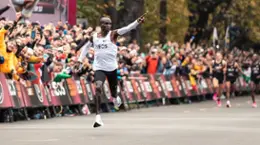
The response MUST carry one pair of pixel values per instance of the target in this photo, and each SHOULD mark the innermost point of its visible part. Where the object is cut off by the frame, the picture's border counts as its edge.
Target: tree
(176, 20)
(91, 10)
(245, 14)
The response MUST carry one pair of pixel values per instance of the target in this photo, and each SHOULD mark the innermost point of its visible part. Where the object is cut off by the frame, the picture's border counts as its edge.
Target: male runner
(255, 77)
(232, 74)
(105, 60)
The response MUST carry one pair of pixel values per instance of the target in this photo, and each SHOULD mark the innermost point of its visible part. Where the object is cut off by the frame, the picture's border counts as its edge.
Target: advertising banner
(16, 93)
(160, 85)
(84, 93)
(155, 87)
(59, 94)
(5, 96)
(90, 89)
(169, 88)
(130, 92)
(36, 94)
(73, 88)
(107, 98)
(136, 84)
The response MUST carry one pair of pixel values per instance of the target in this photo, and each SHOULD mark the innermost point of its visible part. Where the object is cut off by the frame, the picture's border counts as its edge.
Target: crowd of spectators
(45, 53)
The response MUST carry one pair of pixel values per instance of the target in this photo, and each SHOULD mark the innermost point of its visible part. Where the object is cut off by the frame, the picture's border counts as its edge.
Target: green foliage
(177, 20)
(246, 14)
(91, 10)
(150, 29)
(94, 9)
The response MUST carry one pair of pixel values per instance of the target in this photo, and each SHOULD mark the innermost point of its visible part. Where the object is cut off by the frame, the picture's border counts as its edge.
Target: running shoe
(98, 122)
(228, 104)
(117, 102)
(223, 97)
(215, 98)
(254, 105)
(219, 103)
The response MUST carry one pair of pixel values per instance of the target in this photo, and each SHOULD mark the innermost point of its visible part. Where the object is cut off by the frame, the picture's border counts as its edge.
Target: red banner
(5, 99)
(84, 91)
(130, 92)
(160, 86)
(134, 89)
(73, 91)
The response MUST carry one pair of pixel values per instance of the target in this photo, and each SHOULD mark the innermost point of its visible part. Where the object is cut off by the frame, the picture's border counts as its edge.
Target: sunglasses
(107, 23)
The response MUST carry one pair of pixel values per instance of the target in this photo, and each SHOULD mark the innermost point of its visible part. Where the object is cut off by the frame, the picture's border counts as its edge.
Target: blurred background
(236, 21)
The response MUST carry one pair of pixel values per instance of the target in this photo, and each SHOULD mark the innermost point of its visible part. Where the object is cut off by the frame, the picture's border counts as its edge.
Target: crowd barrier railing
(135, 89)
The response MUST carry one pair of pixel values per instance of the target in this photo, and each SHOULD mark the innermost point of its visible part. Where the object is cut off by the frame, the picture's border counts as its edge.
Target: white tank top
(105, 53)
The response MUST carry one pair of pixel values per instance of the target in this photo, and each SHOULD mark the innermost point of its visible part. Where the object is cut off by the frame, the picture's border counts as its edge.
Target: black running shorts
(219, 77)
(232, 80)
(111, 78)
(255, 80)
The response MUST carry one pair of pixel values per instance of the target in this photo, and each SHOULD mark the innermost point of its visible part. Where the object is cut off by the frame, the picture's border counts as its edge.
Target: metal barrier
(135, 90)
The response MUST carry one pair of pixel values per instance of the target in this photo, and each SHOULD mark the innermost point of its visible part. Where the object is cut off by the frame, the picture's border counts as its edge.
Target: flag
(20, 6)
(227, 38)
(215, 38)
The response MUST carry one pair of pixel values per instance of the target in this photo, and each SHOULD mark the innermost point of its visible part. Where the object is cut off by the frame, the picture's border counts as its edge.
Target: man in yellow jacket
(10, 60)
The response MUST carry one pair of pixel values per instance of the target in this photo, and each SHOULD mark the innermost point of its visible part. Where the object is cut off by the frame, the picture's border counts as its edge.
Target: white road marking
(238, 104)
(45, 140)
(142, 127)
(203, 109)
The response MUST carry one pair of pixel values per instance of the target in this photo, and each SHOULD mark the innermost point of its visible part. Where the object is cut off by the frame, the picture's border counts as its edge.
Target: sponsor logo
(158, 85)
(148, 87)
(163, 87)
(189, 85)
(58, 88)
(47, 92)
(80, 90)
(138, 87)
(38, 92)
(11, 87)
(129, 86)
(107, 91)
(204, 84)
(90, 95)
(143, 90)
(178, 84)
(169, 86)
(102, 46)
(1, 93)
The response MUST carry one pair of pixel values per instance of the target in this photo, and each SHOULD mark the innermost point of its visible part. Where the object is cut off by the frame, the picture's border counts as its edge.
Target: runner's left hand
(142, 18)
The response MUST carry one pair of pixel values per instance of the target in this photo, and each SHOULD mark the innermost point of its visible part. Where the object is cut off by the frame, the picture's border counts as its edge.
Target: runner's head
(254, 58)
(219, 56)
(106, 24)
(230, 57)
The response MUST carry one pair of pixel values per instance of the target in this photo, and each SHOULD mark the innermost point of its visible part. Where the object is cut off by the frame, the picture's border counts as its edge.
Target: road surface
(196, 124)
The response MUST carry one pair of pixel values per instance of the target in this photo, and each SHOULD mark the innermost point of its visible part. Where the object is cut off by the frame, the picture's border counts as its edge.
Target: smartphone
(192, 38)
(33, 35)
(45, 56)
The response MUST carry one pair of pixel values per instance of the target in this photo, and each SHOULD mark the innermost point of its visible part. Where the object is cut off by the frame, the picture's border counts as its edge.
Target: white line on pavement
(42, 140)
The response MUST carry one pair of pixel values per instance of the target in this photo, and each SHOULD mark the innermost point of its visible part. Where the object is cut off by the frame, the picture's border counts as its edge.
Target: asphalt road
(196, 124)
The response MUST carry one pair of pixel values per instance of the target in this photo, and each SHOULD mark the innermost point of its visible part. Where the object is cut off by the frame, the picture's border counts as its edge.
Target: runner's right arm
(127, 28)
(84, 49)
